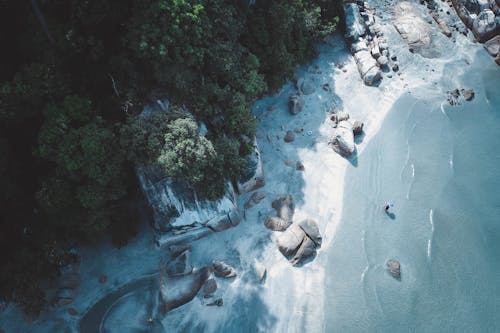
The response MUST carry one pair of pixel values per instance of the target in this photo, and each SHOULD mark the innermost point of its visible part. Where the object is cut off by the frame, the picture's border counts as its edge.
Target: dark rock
(299, 166)
(306, 86)
(223, 270)
(177, 249)
(339, 116)
(217, 302)
(357, 127)
(394, 269)
(295, 104)
(284, 207)
(395, 67)
(275, 223)
(326, 87)
(210, 286)
(468, 94)
(394, 58)
(289, 136)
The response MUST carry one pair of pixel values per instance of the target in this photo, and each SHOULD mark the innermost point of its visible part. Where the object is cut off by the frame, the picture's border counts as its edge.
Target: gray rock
(180, 266)
(493, 46)
(289, 136)
(217, 302)
(367, 67)
(395, 67)
(275, 223)
(343, 140)
(468, 94)
(355, 26)
(295, 104)
(307, 86)
(382, 61)
(284, 207)
(357, 127)
(223, 270)
(300, 242)
(394, 269)
(311, 229)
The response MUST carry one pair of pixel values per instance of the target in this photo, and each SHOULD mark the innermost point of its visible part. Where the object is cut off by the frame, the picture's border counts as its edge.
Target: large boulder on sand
(300, 242)
(295, 104)
(343, 139)
(289, 136)
(284, 207)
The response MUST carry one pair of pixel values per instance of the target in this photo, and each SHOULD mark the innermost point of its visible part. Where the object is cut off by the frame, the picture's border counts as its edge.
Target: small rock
(468, 94)
(389, 76)
(357, 127)
(103, 278)
(261, 271)
(394, 269)
(326, 87)
(217, 302)
(295, 104)
(299, 166)
(394, 58)
(254, 199)
(289, 136)
(223, 270)
(210, 286)
(72, 311)
(284, 207)
(395, 67)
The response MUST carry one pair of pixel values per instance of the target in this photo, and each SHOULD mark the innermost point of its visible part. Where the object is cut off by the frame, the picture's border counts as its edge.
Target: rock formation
(300, 241)
(343, 139)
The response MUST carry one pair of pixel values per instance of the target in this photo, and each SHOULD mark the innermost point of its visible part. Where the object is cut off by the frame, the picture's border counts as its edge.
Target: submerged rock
(484, 25)
(394, 269)
(289, 136)
(210, 286)
(177, 291)
(295, 104)
(180, 266)
(343, 140)
(223, 270)
(256, 198)
(217, 302)
(284, 207)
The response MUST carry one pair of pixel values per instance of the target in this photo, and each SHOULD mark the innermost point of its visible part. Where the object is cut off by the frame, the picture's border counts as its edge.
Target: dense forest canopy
(74, 76)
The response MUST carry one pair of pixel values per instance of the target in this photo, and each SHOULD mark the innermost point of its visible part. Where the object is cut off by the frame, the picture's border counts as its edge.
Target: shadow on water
(391, 215)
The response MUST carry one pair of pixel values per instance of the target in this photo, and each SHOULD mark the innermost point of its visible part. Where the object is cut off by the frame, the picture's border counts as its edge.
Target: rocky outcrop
(253, 176)
(394, 269)
(343, 139)
(223, 270)
(179, 214)
(295, 104)
(300, 242)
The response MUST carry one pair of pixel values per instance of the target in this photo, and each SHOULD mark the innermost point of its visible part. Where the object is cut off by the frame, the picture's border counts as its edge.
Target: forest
(74, 77)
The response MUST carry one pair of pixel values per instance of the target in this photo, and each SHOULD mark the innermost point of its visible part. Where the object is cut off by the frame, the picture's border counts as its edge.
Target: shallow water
(439, 164)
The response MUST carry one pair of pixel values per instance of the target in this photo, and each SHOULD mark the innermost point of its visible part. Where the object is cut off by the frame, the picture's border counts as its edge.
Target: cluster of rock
(368, 45)
(298, 241)
(453, 96)
(345, 131)
(180, 282)
(483, 18)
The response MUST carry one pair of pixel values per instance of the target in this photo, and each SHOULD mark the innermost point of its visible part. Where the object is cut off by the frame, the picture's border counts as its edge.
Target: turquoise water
(440, 165)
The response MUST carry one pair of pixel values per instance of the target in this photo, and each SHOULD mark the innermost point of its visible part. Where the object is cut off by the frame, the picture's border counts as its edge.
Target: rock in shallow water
(295, 104)
(284, 207)
(394, 269)
(468, 94)
(223, 270)
(289, 137)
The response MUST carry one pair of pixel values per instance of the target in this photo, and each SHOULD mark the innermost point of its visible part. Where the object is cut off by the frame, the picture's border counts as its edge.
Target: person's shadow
(391, 215)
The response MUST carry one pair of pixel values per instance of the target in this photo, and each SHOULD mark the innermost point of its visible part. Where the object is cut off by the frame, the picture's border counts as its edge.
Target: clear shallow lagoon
(440, 165)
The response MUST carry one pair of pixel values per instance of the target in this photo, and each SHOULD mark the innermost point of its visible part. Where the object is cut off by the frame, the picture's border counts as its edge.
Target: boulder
(382, 61)
(275, 223)
(343, 139)
(493, 46)
(299, 166)
(217, 302)
(289, 137)
(295, 104)
(468, 94)
(254, 199)
(306, 86)
(367, 67)
(484, 25)
(395, 67)
(357, 127)
(180, 265)
(223, 270)
(394, 269)
(355, 26)
(177, 291)
(284, 207)
(300, 242)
